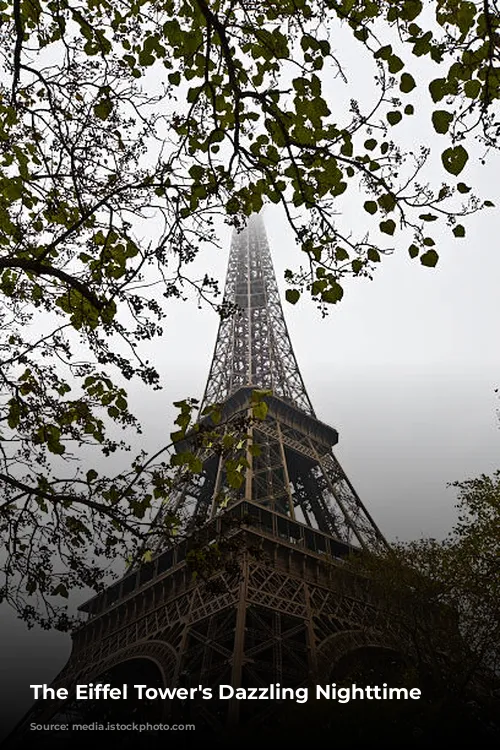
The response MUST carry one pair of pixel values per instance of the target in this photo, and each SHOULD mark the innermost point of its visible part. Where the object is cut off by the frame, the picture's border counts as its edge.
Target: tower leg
(239, 645)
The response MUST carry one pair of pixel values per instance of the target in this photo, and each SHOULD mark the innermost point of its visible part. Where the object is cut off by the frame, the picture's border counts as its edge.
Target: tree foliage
(124, 128)
(446, 602)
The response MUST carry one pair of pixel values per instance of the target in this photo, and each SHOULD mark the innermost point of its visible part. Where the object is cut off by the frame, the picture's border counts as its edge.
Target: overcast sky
(404, 368)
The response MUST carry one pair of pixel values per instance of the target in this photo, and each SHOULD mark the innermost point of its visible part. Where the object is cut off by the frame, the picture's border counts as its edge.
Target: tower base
(282, 611)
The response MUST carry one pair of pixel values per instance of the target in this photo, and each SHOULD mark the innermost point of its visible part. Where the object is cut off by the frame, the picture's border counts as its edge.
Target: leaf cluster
(445, 598)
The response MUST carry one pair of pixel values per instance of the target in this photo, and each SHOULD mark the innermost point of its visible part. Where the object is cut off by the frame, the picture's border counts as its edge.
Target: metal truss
(287, 616)
(253, 346)
(296, 472)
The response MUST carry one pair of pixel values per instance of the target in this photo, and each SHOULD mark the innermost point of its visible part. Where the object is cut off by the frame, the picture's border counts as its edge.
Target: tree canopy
(125, 127)
(442, 604)
(446, 603)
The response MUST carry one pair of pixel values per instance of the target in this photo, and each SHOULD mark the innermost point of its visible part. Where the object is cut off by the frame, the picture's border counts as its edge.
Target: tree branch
(43, 269)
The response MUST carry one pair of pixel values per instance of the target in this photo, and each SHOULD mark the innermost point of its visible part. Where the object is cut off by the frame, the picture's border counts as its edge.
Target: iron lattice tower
(289, 611)
(296, 473)
(253, 347)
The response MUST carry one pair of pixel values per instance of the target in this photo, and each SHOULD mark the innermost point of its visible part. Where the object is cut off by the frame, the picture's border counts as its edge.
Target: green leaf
(370, 144)
(388, 226)
(430, 258)
(259, 410)
(407, 83)
(428, 217)
(259, 394)
(413, 251)
(178, 435)
(12, 189)
(459, 231)
(318, 286)
(463, 188)
(370, 206)
(341, 254)
(103, 109)
(394, 117)
(438, 89)
(233, 206)
(454, 159)
(60, 590)
(387, 202)
(384, 53)
(333, 294)
(395, 64)
(409, 109)
(441, 119)
(292, 296)
(346, 148)
(472, 88)
(410, 9)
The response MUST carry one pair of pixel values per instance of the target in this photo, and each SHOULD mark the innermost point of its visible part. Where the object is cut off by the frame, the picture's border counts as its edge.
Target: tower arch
(361, 654)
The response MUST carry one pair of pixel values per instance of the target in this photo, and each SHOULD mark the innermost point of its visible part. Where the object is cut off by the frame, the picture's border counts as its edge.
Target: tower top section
(253, 348)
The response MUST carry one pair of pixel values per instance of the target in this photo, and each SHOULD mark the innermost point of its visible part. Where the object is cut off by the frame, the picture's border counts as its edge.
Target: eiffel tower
(289, 611)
